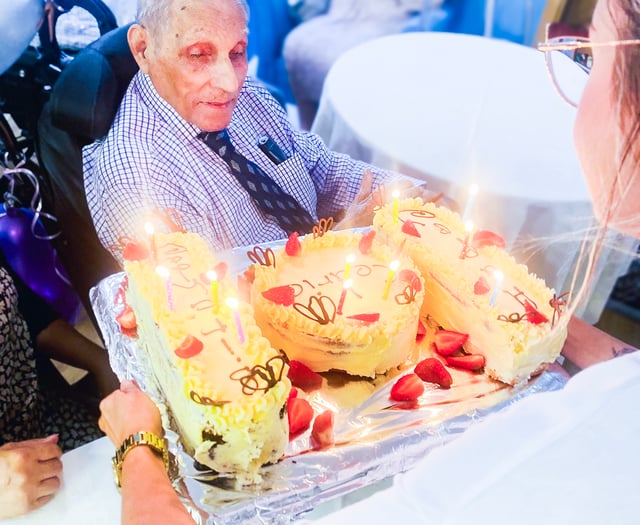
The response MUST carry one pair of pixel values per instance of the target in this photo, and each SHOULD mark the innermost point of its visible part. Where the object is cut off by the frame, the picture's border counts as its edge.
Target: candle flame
(394, 265)
(148, 227)
(212, 276)
(162, 271)
(232, 303)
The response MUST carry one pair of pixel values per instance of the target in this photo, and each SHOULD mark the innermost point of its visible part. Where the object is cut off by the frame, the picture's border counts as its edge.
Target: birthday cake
(338, 301)
(474, 287)
(225, 386)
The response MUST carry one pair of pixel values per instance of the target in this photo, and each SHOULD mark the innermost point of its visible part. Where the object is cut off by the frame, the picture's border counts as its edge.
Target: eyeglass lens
(570, 70)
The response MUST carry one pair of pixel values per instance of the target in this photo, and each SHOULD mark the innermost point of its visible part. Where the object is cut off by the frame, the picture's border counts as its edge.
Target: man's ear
(138, 38)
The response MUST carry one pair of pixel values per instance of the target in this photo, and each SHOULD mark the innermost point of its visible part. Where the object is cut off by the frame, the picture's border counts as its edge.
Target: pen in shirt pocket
(268, 146)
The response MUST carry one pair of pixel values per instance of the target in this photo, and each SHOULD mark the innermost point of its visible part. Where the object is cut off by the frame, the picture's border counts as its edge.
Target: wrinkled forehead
(183, 16)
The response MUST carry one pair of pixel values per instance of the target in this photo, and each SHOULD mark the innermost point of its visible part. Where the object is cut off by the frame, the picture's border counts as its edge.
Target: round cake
(339, 301)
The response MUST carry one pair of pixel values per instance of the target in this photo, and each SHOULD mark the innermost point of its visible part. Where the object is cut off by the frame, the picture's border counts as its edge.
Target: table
(456, 109)
(88, 493)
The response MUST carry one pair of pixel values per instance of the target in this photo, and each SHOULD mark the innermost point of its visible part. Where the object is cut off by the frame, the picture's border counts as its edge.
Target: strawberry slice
(127, 318)
(449, 341)
(293, 247)
(410, 229)
(432, 370)
(487, 238)
(365, 318)
(366, 241)
(299, 414)
(421, 332)
(407, 388)
(303, 377)
(322, 431)
(189, 347)
(473, 362)
(481, 286)
(292, 393)
(411, 277)
(533, 315)
(284, 295)
(134, 251)
(221, 270)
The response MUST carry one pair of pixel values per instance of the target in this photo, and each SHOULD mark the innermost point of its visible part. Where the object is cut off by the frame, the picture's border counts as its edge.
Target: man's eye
(238, 54)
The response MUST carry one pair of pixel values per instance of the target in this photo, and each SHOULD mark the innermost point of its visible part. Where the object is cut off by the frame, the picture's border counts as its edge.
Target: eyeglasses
(569, 60)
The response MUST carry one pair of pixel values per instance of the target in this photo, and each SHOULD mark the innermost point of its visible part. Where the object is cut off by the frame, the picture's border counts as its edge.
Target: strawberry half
(221, 270)
(449, 341)
(303, 377)
(407, 388)
(322, 431)
(365, 318)
(366, 241)
(189, 347)
(473, 362)
(410, 229)
(432, 370)
(533, 315)
(299, 414)
(421, 332)
(487, 238)
(481, 286)
(284, 295)
(134, 251)
(127, 321)
(293, 247)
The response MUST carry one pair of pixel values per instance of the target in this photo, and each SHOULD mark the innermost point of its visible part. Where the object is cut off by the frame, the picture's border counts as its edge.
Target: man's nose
(223, 75)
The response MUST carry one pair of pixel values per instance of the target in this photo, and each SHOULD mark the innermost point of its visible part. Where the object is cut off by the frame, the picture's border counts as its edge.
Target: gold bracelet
(149, 439)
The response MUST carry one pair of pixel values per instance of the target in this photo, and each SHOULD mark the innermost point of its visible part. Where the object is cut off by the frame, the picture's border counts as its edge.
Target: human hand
(30, 475)
(360, 213)
(127, 411)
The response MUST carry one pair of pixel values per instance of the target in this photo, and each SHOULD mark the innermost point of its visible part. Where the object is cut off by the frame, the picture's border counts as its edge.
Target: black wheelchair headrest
(86, 96)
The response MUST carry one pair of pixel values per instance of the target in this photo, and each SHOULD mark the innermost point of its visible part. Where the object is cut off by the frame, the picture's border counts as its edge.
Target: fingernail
(53, 438)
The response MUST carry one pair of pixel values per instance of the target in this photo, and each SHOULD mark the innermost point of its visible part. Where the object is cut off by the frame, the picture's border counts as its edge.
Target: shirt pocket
(294, 179)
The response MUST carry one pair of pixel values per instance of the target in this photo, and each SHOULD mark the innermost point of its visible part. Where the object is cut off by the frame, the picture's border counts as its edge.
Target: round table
(457, 109)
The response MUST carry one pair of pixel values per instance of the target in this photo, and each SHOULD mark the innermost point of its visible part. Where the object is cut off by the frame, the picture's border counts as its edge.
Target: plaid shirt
(152, 159)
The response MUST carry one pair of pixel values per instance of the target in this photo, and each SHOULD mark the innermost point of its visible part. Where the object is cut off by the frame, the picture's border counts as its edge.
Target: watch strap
(149, 439)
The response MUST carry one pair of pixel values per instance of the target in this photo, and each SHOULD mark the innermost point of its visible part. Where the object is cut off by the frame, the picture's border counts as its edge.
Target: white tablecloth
(458, 109)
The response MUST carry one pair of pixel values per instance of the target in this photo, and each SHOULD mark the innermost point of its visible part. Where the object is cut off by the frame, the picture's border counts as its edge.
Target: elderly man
(194, 134)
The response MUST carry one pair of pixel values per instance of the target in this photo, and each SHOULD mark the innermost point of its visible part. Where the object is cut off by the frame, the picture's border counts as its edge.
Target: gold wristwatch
(149, 439)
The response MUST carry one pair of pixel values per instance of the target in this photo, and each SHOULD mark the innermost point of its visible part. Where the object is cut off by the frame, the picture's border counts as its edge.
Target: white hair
(154, 14)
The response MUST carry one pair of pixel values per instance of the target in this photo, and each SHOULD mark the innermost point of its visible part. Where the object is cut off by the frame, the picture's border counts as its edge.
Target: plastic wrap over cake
(374, 437)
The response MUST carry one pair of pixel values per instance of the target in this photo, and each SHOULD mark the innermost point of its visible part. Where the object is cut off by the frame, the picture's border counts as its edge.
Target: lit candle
(213, 277)
(396, 206)
(473, 191)
(393, 268)
(468, 228)
(347, 284)
(499, 277)
(347, 267)
(232, 303)
(148, 227)
(165, 274)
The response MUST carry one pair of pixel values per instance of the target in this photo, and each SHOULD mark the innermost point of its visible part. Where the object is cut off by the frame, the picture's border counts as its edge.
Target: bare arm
(147, 495)
(587, 345)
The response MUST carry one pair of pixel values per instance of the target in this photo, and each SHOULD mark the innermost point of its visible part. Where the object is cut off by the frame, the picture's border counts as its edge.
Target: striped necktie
(266, 193)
